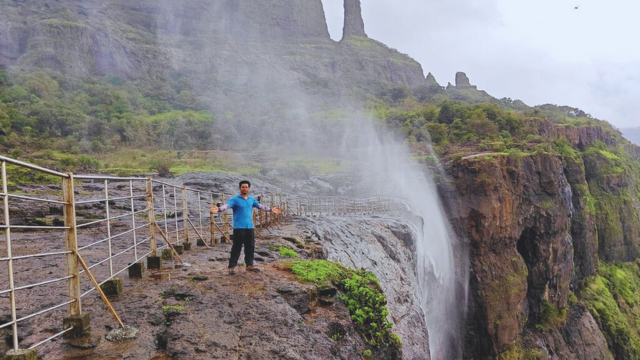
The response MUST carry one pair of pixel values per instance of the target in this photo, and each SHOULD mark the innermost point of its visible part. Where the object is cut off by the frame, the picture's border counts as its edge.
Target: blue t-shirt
(242, 211)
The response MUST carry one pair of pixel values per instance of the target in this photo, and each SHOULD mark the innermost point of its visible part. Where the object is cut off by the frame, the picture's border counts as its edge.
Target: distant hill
(632, 134)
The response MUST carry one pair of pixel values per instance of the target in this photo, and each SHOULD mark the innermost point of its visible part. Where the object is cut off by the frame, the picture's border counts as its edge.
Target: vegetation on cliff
(362, 295)
(613, 297)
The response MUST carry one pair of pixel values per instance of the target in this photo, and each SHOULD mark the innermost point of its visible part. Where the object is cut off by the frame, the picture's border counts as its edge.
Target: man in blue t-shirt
(243, 230)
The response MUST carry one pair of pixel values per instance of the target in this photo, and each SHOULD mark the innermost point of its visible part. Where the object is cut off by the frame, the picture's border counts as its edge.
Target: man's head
(244, 187)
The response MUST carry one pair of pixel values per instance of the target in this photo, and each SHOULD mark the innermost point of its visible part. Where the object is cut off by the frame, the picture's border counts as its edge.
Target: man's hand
(214, 209)
(275, 210)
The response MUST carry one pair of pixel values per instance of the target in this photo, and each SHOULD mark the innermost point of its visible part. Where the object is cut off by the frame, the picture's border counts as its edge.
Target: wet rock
(302, 298)
(357, 244)
(85, 342)
(199, 278)
(122, 333)
(180, 293)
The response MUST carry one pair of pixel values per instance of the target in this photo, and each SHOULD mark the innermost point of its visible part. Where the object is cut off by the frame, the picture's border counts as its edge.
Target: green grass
(129, 161)
(166, 308)
(18, 175)
(550, 316)
(57, 22)
(516, 352)
(613, 297)
(317, 271)
(361, 42)
(362, 296)
(286, 252)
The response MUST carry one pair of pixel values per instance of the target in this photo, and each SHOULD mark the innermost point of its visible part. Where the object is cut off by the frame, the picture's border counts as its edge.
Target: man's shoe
(253, 269)
(232, 271)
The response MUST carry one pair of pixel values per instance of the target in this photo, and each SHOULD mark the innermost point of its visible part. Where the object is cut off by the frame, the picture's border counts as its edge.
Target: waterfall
(387, 167)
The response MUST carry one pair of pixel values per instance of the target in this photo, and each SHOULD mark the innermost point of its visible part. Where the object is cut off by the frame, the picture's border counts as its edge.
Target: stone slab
(80, 323)
(21, 354)
(112, 287)
(154, 262)
(137, 270)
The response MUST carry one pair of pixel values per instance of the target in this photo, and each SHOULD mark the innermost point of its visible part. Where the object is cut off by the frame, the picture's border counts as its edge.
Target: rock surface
(353, 23)
(536, 227)
(462, 81)
(384, 246)
(200, 311)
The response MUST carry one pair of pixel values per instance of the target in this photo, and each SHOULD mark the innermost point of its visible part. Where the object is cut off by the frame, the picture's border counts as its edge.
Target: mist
(384, 165)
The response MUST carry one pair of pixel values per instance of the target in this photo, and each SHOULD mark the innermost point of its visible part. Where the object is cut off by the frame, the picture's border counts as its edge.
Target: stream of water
(387, 167)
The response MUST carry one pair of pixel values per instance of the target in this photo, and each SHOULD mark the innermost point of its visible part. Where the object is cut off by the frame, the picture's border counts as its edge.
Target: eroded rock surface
(383, 245)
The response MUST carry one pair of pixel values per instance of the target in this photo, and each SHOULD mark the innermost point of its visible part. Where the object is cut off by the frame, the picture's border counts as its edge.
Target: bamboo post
(254, 216)
(261, 217)
(212, 229)
(197, 232)
(185, 214)
(71, 237)
(223, 234)
(151, 217)
(270, 214)
(169, 243)
(200, 212)
(97, 286)
(225, 221)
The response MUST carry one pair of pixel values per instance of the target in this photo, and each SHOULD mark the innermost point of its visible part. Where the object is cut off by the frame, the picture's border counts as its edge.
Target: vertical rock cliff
(537, 226)
(353, 23)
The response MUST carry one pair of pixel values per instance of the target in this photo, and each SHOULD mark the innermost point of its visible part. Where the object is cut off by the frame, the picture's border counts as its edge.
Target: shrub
(287, 252)
(86, 162)
(550, 316)
(362, 296)
(16, 153)
(68, 161)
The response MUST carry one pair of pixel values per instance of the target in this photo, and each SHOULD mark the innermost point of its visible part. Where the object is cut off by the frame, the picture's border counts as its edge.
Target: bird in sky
(576, 8)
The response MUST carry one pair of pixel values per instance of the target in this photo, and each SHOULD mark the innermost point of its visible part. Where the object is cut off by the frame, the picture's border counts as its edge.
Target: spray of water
(387, 167)
(385, 164)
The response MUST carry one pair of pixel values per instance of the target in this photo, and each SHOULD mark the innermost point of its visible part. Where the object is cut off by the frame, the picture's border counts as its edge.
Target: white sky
(541, 51)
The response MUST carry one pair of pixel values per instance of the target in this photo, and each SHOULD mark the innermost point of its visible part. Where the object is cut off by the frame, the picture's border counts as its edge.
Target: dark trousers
(242, 237)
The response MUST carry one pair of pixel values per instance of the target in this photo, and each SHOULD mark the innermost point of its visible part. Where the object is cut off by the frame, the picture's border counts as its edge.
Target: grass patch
(362, 296)
(550, 316)
(166, 308)
(516, 352)
(129, 161)
(18, 175)
(286, 252)
(613, 298)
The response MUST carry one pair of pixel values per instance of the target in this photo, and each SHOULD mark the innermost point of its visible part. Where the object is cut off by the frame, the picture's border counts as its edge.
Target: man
(243, 228)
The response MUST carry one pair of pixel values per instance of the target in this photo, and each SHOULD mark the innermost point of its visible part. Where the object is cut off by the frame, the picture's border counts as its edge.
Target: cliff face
(385, 246)
(231, 52)
(536, 227)
(353, 23)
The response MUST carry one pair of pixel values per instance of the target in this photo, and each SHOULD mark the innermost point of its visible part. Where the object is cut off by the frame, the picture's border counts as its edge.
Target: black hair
(244, 182)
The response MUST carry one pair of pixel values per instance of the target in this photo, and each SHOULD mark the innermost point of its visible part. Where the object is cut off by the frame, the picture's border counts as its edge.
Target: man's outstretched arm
(274, 209)
(215, 209)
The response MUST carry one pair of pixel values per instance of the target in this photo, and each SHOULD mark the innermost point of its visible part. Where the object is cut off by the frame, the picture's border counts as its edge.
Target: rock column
(353, 23)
